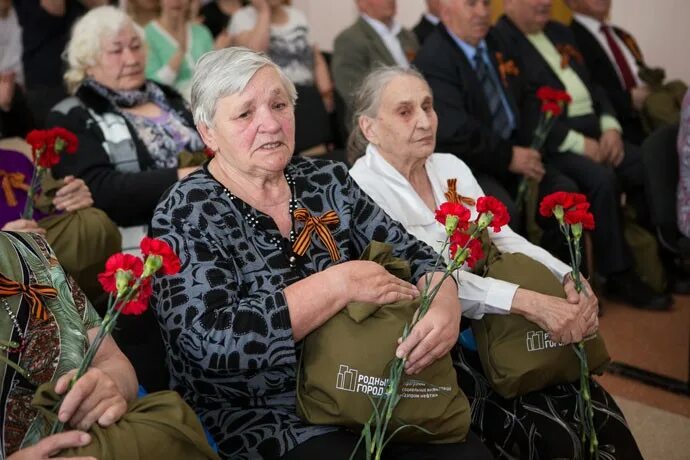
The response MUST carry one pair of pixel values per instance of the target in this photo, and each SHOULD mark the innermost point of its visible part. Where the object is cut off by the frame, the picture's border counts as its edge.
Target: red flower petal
(580, 216)
(140, 303)
(497, 208)
(546, 93)
(553, 107)
(154, 246)
(120, 261)
(458, 240)
(453, 209)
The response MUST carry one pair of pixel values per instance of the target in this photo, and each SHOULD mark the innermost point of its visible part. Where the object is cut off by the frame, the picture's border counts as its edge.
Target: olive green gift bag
(517, 355)
(345, 365)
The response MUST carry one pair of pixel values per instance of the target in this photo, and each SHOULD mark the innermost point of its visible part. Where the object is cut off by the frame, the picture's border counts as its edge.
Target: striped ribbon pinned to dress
(32, 292)
(11, 181)
(452, 194)
(320, 225)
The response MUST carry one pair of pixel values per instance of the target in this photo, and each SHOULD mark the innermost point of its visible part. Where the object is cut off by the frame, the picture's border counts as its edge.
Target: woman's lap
(340, 444)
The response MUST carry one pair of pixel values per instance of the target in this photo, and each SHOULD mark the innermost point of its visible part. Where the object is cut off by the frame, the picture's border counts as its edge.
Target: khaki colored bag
(346, 361)
(516, 354)
(645, 251)
(159, 426)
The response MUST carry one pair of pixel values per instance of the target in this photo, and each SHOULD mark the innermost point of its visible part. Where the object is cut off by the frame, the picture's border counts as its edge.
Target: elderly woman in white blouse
(393, 138)
(395, 128)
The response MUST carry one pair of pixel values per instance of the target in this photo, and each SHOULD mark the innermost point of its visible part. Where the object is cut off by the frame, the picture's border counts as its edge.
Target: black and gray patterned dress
(224, 317)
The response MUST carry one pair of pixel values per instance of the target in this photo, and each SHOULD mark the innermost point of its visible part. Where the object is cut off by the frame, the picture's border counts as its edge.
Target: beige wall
(328, 17)
(662, 29)
(660, 26)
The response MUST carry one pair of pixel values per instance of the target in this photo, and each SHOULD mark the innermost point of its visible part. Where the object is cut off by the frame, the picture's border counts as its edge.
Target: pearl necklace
(13, 318)
(10, 347)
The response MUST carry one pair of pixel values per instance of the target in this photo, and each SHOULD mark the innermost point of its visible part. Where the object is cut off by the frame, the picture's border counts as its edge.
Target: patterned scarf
(165, 137)
(127, 99)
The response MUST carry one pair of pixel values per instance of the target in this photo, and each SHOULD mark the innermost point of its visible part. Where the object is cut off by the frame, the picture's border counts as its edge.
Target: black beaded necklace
(252, 220)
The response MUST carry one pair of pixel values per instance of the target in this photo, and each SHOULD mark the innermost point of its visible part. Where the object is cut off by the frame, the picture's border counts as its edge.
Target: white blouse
(394, 194)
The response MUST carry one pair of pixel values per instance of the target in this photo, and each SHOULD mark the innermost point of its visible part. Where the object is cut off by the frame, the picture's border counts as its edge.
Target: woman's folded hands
(566, 320)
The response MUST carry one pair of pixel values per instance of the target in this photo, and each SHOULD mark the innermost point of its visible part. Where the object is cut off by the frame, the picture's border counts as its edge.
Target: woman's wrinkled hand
(432, 337)
(559, 317)
(73, 196)
(94, 398)
(52, 445)
(366, 281)
(437, 332)
(23, 225)
(588, 303)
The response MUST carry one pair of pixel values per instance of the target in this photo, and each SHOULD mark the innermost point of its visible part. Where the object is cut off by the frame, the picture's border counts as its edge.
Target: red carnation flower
(36, 139)
(566, 200)
(552, 107)
(562, 96)
(580, 216)
(496, 208)
(170, 263)
(475, 252)
(64, 140)
(140, 303)
(119, 261)
(546, 93)
(47, 145)
(453, 209)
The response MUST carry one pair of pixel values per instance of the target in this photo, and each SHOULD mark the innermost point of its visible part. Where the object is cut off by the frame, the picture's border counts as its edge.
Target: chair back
(660, 159)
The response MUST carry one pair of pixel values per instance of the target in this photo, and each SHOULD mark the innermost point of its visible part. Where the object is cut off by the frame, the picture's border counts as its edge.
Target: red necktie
(621, 62)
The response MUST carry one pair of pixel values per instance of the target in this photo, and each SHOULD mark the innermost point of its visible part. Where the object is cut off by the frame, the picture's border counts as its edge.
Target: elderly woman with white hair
(130, 130)
(247, 294)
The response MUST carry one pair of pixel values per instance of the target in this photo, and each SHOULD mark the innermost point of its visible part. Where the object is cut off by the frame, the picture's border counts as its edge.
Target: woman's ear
(208, 136)
(368, 128)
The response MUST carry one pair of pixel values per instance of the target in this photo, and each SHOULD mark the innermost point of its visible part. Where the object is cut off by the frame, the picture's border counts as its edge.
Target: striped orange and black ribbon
(320, 225)
(32, 292)
(9, 182)
(452, 194)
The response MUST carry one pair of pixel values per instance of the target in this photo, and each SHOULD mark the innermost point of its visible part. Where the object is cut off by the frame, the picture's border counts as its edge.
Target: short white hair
(86, 42)
(225, 72)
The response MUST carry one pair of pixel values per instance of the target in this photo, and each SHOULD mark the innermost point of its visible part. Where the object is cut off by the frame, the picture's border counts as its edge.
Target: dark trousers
(602, 184)
(340, 444)
(541, 425)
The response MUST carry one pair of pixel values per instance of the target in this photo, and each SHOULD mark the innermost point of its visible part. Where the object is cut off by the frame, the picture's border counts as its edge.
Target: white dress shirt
(594, 27)
(394, 194)
(432, 19)
(389, 36)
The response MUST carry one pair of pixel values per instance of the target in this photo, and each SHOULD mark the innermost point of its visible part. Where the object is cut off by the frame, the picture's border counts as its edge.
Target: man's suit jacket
(603, 72)
(358, 50)
(464, 116)
(536, 72)
(423, 29)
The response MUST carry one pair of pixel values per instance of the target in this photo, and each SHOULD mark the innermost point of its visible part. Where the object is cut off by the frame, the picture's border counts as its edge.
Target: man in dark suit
(609, 56)
(585, 142)
(616, 63)
(429, 20)
(477, 115)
